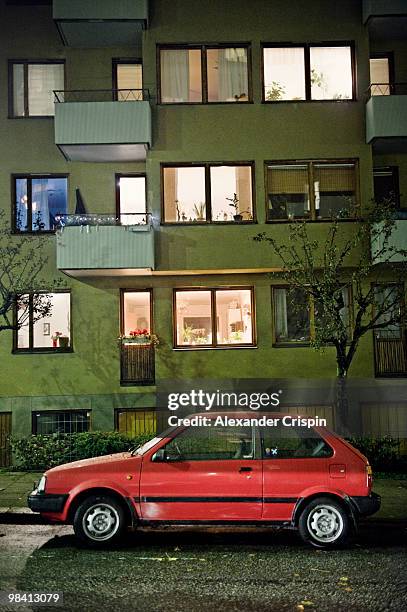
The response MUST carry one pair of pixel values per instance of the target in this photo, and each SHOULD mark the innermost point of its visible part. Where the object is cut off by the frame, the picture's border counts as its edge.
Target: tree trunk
(341, 405)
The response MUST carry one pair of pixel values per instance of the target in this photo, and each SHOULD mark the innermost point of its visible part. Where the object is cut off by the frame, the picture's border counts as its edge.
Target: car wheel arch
(303, 502)
(126, 503)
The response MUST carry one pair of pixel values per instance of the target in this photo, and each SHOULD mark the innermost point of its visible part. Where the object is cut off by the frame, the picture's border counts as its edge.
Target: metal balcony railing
(137, 364)
(391, 357)
(65, 220)
(101, 95)
(387, 89)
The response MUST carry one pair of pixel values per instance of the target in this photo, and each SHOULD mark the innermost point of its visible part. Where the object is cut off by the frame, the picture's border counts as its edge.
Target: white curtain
(42, 80)
(40, 208)
(18, 90)
(174, 75)
(280, 309)
(232, 74)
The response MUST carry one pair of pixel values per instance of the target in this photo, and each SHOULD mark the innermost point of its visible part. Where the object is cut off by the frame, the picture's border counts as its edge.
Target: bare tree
(23, 259)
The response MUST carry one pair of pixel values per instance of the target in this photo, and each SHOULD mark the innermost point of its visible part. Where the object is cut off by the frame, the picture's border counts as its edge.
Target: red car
(224, 469)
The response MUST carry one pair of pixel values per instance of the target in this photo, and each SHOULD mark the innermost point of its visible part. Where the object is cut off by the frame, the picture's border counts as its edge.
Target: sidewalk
(15, 486)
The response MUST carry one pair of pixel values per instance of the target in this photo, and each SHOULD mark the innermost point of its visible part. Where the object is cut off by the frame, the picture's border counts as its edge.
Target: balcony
(103, 125)
(397, 243)
(104, 245)
(105, 23)
(386, 118)
(386, 19)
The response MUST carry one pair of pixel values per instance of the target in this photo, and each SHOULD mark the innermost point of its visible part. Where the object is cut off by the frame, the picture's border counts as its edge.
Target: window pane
(323, 317)
(52, 331)
(291, 315)
(331, 73)
(181, 79)
(132, 194)
(18, 90)
(136, 312)
(23, 333)
(194, 317)
(335, 190)
(288, 193)
(43, 79)
(62, 422)
(49, 198)
(21, 204)
(227, 75)
(387, 299)
(211, 444)
(129, 76)
(386, 185)
(284, 73)
(184, 194)
(286, 442)
(379, 76)
(137, 422)
(231, 184)
(234, 316)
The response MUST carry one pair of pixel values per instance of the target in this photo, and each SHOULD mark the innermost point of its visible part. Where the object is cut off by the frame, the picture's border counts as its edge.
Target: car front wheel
(324, 523)
(99, 520)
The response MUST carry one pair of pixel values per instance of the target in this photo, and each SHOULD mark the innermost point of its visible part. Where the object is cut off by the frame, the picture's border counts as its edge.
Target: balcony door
(390, 342)
(127, 79)
(131, 199)
(381, 75)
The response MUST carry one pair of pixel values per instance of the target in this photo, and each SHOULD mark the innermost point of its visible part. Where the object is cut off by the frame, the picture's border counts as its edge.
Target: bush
(383, 453)
(41, 452)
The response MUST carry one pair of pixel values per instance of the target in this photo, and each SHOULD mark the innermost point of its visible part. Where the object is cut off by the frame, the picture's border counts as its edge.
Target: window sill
(302, 219)
(42, 351)
(330, 100)
(214, 103)
(31, 117)
(203, 223)
(214, 348)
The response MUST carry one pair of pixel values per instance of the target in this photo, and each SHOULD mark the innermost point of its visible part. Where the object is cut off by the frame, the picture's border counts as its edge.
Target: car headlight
(41, 485)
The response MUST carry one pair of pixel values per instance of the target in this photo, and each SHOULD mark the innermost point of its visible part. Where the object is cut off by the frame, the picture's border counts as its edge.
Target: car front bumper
(46, 502)
(367, 504)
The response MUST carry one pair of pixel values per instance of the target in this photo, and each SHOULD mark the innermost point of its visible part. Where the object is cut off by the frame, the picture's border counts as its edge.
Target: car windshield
(140, 450)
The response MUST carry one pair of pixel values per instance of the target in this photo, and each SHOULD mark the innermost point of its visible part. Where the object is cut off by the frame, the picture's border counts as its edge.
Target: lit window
(311, 190)
(131, 199)
(38, 201)
(134, 423)
(181, 78)
(214, 317)
(186, 188)
(308, 72)
(33, 85)
(44, 321)
(380, 76)
(136, 312)
(128, 80)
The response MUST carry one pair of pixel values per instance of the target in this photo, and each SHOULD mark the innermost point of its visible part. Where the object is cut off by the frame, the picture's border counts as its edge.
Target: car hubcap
(100, 522)
(325, 523)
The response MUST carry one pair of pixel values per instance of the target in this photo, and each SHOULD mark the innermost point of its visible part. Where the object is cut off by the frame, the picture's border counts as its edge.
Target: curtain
(40, 208)
(21, 204)
(18, 90)
(42, 80)
(175, 75)
(232, 74)
(280, 310)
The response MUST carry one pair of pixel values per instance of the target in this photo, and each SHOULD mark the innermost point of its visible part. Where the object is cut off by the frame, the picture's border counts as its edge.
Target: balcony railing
(101, 95)
(391, 357)
(67, 220)
(387, 89)
(137, 364)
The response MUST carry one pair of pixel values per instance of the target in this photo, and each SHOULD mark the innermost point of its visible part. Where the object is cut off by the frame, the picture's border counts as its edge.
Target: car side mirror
(159, 455)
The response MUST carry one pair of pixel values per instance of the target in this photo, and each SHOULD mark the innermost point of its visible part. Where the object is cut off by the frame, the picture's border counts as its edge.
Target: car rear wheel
(324, 523)
(99, 520)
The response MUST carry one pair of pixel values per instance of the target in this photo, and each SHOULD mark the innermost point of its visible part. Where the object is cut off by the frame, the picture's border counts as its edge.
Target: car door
(203, 474)
(294, 459)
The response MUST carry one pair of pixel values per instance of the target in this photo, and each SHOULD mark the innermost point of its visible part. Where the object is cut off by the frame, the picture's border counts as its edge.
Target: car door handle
(245, 469)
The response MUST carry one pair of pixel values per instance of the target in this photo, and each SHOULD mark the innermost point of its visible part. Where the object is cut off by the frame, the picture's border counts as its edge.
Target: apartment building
(146, 143)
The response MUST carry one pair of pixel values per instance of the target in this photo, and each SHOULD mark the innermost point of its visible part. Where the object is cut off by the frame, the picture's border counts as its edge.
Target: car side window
(283, 442)
(211, 443)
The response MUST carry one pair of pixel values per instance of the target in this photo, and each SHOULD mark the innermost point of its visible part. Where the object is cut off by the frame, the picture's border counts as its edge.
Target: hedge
(383, 453)
(41, 452)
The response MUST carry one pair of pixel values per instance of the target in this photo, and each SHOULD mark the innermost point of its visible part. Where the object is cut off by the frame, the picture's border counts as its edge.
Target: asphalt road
(197, 571)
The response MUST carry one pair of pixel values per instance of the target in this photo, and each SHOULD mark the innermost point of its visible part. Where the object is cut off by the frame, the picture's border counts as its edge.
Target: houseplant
(234, 203)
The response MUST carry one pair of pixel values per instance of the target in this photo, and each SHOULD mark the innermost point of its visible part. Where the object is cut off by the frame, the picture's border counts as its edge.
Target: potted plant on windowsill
(138, 336)
(234, 203)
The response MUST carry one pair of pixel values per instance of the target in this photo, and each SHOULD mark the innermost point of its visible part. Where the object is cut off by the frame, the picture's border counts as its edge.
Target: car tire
(324, 523)
(99, 521)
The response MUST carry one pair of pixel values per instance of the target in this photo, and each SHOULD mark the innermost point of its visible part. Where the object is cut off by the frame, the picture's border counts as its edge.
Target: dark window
(386, 185)
(32, 85)
(291, 442)
(37, 202)
(208, 193)
(211, 444)
(68, 422)
(225, 77)
(44, 322)
(308, 72)
(314, 190)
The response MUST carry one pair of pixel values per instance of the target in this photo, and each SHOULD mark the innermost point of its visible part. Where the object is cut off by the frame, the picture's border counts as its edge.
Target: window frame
(203, 47)
(45, 350)
(311, 317)
(208, 201)
(307, 69)
(214, 345)
(310, 164)
(148, 290)
(117, 61)
(117, 177)
(34, 425)
(26, 63)
(30, 177)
